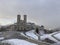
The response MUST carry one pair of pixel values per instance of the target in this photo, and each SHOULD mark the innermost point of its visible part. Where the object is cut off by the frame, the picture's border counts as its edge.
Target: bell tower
(25, 18)
(18, 21)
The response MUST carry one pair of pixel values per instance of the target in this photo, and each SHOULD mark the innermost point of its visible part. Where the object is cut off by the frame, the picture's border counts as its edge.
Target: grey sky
(41, 12)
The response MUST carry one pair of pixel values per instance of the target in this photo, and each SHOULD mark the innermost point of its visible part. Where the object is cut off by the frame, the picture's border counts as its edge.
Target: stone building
(21, 24)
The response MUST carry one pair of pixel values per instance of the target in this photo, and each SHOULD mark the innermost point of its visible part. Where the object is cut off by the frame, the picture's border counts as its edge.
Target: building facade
(21, 24)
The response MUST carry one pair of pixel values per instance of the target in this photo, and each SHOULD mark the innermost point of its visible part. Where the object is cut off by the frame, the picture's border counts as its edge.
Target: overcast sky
(41, 12)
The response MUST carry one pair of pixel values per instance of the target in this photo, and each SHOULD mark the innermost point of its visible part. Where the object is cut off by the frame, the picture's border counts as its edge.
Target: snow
(49, 36)
(57, 36)
(41, 32)
(32, 34)
(43, 37)
(18, 42)
(1, 38)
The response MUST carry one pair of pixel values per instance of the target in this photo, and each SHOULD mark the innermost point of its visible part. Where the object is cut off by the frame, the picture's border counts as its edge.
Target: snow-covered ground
(1, 38)
(44, 36)
(18, 42)
(56, 35)
(32, 35)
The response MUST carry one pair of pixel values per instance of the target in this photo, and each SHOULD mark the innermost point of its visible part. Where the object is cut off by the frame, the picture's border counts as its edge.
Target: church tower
(25, 18)
(25, 21)
(18, 22)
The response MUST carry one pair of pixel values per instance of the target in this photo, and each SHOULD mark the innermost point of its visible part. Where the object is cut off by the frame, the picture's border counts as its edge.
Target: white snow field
(31, 34)
(17, 42)
(53, 36)
(1, 38)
